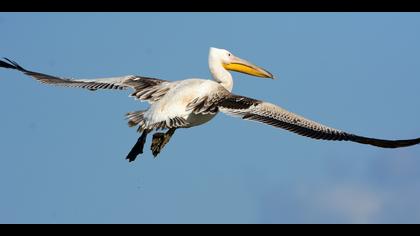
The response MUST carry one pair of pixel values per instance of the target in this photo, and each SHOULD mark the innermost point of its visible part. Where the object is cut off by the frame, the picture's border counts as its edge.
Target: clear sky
(62, 150)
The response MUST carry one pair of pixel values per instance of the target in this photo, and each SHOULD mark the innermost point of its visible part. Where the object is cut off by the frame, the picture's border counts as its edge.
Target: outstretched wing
(267, 113)
(145, 88)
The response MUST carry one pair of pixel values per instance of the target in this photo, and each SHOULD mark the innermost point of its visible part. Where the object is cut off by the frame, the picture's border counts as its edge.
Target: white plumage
(176, 100)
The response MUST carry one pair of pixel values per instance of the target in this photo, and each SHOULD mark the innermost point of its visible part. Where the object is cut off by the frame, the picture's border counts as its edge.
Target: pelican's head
(234, 63)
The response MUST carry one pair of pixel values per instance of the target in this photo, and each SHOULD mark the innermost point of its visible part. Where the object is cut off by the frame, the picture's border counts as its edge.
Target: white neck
(220, 74)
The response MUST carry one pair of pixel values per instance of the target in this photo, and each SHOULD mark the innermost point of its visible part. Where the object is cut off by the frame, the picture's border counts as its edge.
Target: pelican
(192, 102)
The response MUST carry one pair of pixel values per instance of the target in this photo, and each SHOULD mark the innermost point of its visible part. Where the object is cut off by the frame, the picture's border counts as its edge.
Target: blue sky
(62, 150)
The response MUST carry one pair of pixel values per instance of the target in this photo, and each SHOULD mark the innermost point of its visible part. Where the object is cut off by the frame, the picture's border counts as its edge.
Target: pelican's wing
(145, 88)
(264, 112)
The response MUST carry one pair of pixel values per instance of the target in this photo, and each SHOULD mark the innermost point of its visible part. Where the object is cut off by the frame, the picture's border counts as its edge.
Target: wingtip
(10, 64)
(5, 64)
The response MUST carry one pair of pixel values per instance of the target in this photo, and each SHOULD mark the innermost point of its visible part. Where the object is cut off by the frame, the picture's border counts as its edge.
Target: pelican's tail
(135, 118)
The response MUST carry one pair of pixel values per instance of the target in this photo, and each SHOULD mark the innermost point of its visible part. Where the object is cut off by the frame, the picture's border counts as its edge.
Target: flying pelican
(191, 102)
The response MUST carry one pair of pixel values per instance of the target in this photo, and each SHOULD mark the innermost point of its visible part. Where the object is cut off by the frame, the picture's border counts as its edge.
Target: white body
(176, 100)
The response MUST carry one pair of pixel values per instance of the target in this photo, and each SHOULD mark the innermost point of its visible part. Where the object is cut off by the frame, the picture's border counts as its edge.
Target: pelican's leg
(160, 140)
(138, 147)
